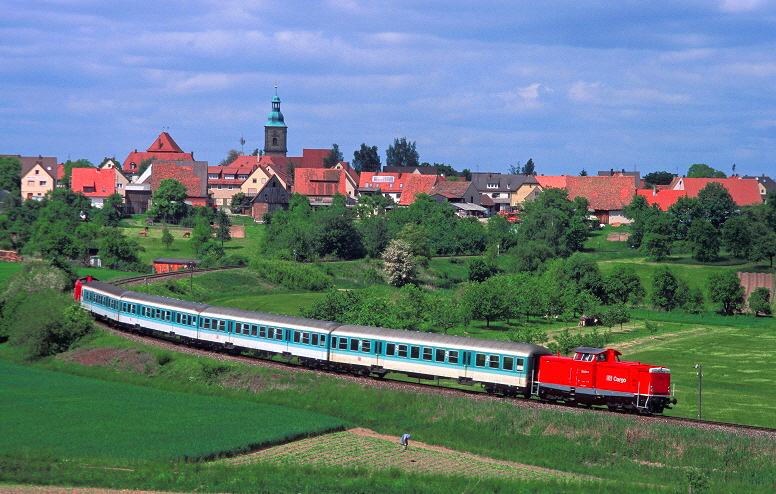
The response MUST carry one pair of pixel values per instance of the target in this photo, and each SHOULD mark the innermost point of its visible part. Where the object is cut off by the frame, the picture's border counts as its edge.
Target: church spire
(275, 130)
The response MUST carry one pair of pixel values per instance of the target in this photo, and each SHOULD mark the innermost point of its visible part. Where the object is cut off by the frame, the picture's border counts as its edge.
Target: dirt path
(368, 449)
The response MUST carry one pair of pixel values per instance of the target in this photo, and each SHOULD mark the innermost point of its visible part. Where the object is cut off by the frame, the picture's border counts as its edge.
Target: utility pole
(700, 380)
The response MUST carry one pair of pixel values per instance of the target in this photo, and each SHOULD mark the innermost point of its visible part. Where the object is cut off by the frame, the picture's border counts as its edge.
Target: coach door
(467, 362)
(379, 353)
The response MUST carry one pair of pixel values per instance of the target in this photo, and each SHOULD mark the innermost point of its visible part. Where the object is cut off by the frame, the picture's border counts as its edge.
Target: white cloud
(584, 92)
(736, 6)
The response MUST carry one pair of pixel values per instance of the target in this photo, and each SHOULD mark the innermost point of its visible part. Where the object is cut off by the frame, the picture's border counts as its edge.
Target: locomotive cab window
(601, 357)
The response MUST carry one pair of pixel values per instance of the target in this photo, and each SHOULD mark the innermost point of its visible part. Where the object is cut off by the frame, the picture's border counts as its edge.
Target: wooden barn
(271, 197)
(167, 264)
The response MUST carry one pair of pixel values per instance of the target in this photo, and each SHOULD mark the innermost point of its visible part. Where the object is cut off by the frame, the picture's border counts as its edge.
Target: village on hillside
(266, 180)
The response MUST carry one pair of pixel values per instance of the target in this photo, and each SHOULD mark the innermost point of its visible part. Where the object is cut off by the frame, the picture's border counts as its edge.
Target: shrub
(293, 275)
(45, 323)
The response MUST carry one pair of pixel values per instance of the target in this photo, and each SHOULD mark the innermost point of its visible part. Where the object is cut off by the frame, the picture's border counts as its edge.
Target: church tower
(275, 130)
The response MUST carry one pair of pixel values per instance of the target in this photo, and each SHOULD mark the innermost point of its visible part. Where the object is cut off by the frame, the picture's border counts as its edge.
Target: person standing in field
(405, 441)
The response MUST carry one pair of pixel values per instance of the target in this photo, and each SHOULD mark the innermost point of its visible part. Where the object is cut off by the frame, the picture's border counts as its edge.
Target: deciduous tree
(725, 289)
(760, 301)
(366, 159)
(399, 263)
(402, 153)
(168, 201)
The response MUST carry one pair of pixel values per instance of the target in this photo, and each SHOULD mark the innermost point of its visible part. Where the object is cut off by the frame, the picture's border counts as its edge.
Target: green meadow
(77, 417)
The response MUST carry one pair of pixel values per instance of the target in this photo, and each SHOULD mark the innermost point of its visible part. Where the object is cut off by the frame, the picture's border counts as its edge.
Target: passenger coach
(503, 367)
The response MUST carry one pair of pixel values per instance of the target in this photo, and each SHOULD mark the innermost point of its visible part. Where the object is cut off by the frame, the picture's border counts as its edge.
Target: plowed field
(367, 449)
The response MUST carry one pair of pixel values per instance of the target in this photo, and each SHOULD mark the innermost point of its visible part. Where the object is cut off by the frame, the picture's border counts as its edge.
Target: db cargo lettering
(616, 379)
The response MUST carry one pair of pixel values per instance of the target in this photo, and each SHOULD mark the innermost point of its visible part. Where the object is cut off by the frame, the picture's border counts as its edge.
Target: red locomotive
(594, 376)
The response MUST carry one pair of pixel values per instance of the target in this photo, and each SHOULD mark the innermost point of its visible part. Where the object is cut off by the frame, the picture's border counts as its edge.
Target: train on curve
(591, 377)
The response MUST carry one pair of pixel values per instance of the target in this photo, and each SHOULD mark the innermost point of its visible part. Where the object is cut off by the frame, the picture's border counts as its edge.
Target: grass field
(77, 417)
(614, 452)
(182, 247)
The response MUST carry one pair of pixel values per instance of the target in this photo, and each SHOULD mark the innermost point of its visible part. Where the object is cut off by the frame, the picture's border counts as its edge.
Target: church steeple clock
(275, 130)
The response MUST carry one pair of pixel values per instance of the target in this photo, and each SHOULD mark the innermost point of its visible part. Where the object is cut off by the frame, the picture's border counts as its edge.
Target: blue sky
(480, 85)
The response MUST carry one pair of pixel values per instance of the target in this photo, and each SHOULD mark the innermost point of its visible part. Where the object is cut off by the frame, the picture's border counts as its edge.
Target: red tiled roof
(662, 197)
(415, 184)
(319, 181)
(100, 181)
(192, 174)
(450, 189)
(604, 193)
(743, 191)
(551, 181)
(163, 148)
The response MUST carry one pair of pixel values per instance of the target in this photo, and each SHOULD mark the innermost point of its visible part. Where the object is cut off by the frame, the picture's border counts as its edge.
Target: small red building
(168, 264)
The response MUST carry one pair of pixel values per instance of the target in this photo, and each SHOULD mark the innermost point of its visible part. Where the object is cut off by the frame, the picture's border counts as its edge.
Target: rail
(169, 274)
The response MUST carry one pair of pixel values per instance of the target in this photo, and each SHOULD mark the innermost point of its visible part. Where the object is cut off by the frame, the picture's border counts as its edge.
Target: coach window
(479, 360)
(238, 327)
(315, 339)
(177, 318)
(133, 309)
(262, 332)
(334, 342)
(205, 323)
(414, 352)
(343, 343)
(297, 336)
(495, 361)
(323, 340)
(390, 349)
(270, 333)
(509, 363)
(354, 344)
(427, 352)
(403, 351)
(305, 338)
(158, 314)
(452, 357)
(254, 330)
(440, 355)
(167, 315)
(366, 346)
(222, 325)
(279, 334)
(520, 363)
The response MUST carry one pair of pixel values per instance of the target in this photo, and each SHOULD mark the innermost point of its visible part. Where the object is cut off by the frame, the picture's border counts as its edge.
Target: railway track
(437, 388)
(136, 280)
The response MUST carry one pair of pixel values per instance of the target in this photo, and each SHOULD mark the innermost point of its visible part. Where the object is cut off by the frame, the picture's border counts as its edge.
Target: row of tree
(704, 225)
